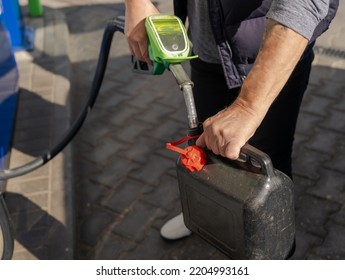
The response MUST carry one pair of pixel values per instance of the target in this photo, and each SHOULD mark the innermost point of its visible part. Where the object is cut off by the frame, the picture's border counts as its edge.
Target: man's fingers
(232, 151)
(145, 52)
(139, 52)
(229, 150)
(201, 141)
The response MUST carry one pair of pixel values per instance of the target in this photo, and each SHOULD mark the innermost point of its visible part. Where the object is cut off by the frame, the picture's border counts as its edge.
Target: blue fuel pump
(11, 16)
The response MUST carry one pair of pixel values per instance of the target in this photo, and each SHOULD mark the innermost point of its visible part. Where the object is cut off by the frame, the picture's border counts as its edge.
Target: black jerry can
(245, 208)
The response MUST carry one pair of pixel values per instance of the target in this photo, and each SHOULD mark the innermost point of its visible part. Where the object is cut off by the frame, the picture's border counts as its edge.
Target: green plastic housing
(168, 41)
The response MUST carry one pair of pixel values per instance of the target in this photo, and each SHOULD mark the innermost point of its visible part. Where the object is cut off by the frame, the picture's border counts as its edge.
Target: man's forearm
(137, 2)
(280, 52)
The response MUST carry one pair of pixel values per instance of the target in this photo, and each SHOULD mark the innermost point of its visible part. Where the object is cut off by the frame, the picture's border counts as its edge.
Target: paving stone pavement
(124, 178)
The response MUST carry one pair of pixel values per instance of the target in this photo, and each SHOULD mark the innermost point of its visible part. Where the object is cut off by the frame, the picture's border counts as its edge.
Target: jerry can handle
(250, 153)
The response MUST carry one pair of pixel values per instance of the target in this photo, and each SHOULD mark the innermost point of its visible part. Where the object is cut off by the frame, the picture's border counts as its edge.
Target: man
(254, 63)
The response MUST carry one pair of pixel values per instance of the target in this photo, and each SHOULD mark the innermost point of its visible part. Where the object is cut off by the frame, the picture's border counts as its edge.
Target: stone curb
(50, 48)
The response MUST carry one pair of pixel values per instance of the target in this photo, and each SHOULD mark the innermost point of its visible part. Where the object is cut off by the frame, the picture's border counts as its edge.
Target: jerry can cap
(192, 157)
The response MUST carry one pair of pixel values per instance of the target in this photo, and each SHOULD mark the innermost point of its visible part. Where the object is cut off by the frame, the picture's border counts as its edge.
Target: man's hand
(229, 130)
(136, 13)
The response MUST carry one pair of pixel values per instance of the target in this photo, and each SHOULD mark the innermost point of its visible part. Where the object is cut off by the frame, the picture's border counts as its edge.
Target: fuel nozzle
(186, 85)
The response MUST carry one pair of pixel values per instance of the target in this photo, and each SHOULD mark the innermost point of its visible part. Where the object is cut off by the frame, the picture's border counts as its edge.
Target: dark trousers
(275, 135)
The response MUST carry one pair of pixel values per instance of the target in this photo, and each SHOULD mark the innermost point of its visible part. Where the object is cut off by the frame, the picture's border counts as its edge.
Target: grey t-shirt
(200, 32)
(301, 16)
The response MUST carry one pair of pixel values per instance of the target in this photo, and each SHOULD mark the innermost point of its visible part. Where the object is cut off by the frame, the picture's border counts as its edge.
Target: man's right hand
(136, 13)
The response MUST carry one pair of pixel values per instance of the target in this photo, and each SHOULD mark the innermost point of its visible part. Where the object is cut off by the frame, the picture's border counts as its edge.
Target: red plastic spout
(192, 157)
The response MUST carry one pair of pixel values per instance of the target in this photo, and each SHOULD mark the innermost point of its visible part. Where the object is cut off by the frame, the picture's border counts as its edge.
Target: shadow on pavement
(33, 226)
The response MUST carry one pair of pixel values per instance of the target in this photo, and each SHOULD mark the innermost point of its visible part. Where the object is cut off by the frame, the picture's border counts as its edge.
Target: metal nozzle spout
(189, 100)
(186, 86)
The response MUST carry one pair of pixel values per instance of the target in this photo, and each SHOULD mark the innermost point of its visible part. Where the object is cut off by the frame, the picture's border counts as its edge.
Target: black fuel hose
(112, 26)
(6, 234)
